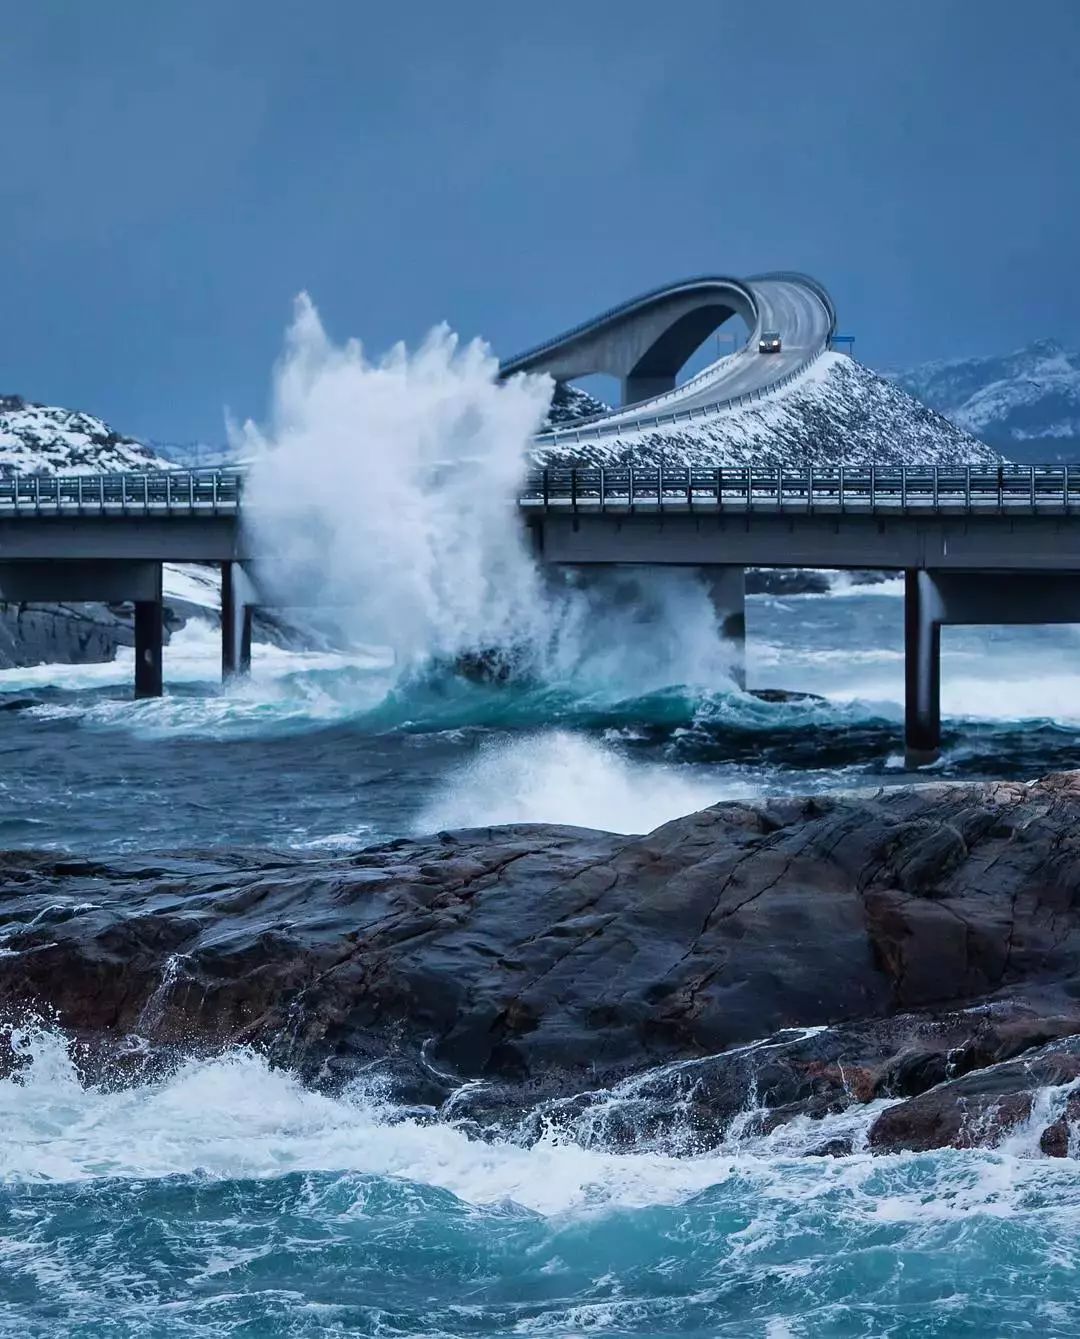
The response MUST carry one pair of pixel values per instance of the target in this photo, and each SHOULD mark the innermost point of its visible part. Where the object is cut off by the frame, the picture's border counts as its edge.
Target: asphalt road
(791, 308)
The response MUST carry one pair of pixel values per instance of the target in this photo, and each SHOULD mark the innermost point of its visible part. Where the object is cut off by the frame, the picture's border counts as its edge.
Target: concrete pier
(64, 581)
(149, 638)
(237, 601)
(922, 669)
(933, 599)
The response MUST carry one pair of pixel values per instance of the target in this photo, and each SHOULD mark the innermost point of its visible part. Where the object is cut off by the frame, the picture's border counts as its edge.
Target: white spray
(387, 490)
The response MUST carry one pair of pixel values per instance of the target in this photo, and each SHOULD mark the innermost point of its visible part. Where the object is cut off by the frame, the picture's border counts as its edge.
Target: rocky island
(917, 947)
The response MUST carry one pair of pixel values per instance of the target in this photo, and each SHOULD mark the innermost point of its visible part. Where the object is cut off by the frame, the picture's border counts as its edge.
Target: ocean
(221, 1198)
(225, 1198)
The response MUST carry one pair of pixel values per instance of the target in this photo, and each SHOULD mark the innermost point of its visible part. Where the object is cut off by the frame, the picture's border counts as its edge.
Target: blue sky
(173, 173)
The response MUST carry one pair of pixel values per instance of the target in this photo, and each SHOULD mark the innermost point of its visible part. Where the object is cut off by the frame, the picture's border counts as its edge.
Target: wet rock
(61, 634)
(832, 1148)
(783, 695)
(804, 580)
(1056, 1137)
(981, 1108)
(92, 633)
(747, 964)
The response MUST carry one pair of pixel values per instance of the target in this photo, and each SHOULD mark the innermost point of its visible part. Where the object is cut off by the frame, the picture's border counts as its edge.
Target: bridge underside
(137, 582)
(993, 543)
(973, 568)
(935, 599)
(644, 347)
(656, 370)
(132, 538)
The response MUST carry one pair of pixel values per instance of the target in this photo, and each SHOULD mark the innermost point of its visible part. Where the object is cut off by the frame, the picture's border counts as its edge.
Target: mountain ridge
(1025, 402)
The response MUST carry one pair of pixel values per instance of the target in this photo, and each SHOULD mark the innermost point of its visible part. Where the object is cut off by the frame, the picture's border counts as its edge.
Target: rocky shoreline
(93, 633)
(915, 947)
(74, 634)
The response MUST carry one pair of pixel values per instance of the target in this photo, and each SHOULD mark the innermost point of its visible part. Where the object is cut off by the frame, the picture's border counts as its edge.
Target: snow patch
(838, 412)
(45, 439)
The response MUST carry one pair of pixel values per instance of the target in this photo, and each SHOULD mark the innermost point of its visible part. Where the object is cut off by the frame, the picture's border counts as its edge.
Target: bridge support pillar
(936, 598)
(726, 585)
(149, 637)
(237, 601)
(922, 669)
(642, 386)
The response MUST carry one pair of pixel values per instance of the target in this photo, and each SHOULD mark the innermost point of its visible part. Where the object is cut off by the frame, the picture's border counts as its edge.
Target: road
(792, 304)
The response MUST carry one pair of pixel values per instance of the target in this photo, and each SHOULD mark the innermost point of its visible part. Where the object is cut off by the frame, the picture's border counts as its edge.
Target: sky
(174, 172)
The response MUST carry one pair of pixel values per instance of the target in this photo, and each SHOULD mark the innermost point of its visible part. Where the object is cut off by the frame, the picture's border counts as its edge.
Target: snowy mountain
(193, 455)
(837, 412)
(1027, 403)
(42, 439)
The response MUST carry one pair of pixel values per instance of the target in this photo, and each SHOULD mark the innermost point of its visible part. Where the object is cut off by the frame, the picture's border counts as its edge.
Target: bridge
(645, 342)
(975, 544)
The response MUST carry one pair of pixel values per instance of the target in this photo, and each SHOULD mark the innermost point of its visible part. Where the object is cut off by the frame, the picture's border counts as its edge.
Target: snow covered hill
(571, 404)
(1027, 402)
(42, 439)
(838, 412)
(45, 439)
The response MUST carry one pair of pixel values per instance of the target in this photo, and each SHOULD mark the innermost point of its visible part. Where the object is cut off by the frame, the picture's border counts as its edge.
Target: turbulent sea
(228, 1200)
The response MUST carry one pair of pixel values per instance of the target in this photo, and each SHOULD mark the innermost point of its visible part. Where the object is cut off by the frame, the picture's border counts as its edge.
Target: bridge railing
(169, 492)
(945, 489)
(920, 489)
(597, 427)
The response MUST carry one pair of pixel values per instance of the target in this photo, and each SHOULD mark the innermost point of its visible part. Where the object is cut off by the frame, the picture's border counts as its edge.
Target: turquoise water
(225, 1200)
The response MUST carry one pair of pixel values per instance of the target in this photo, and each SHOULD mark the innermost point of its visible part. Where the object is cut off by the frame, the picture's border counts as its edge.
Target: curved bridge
(647, 340)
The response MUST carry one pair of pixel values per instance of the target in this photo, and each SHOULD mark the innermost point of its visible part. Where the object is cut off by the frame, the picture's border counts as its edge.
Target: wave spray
(386, 491)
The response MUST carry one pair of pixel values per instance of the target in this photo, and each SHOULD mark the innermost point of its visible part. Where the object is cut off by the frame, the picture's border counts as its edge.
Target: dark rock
(805, 580)
(783, 695)
(1055, 1139)
(92, 633)
(61, 634)
(981, 1108)
(787, 581)
(570, 404)
(831, 1148)
(760, 961)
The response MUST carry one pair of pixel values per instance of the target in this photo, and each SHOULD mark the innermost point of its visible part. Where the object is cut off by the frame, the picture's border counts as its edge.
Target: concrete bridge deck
(977, 545)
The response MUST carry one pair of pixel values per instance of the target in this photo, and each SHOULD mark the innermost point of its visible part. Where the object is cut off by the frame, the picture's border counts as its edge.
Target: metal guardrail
(594, 430)
(1008, 490)
(167, 492)
(918, 490)
(624, 416)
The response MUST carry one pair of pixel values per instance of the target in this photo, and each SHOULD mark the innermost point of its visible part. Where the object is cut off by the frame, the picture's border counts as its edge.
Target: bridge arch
(644, 342)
